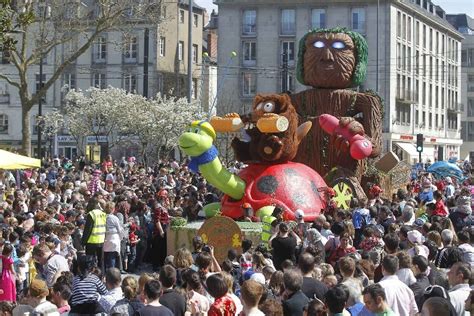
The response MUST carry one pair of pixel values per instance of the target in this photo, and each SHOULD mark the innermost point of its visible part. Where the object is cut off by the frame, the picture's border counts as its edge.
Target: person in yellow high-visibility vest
(94, 231)
(267, 228)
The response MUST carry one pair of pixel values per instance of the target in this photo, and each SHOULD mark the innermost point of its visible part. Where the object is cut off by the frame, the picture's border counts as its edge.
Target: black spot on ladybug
(267, 184)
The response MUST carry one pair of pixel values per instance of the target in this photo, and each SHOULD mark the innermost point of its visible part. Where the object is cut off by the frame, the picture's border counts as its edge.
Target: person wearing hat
(249, 214)
(462, 214)
(37, 293)
(450, 189)
(416, 240)
(426, 193)
(301, 227)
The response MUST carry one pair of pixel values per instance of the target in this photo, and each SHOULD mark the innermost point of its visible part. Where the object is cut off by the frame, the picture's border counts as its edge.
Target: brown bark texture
(317, 149)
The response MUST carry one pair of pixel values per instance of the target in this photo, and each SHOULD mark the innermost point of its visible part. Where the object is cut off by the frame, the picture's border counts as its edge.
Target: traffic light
(419, 143)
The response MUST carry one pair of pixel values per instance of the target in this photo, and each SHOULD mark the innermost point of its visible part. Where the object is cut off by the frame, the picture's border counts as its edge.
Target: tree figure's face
(329, 60)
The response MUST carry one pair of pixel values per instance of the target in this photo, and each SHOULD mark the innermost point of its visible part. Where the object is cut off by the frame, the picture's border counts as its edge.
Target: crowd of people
(84, 239)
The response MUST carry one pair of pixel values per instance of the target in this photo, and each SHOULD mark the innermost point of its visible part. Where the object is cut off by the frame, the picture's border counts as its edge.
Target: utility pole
(40, 106)
(145, 62)
(377, 51)
(190, 51)
(284, 86)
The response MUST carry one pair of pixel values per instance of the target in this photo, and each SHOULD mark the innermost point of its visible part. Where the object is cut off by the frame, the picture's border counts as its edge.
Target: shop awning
(410, 149)
(11, 161)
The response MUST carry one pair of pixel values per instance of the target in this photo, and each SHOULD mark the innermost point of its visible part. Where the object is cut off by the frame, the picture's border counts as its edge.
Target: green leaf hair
(358, 77)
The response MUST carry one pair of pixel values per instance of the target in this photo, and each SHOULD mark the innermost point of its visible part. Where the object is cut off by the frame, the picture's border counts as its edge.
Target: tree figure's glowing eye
(338, 45)
(269, 107)
(319, 44)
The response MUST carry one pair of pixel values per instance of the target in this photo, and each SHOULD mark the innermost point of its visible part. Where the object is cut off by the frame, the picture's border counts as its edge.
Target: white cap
(258, 277)
(299, 214)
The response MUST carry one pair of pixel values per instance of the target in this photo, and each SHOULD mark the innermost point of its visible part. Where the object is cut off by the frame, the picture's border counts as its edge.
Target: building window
(3, 124)
(249, 84)
(162, 46)
(470, 107)
(288, 22)
(180, 50)
(181, 16)
(424, 36)
(4, 56)
(39, 85)
(358, 20)
(430, 120)
(423, 94)
(399, 55)
(249, 22)
(431, 39)
(409, 57)
(288, 51)
(409, 29)
(100, 50)
(130, 82)
(69, 81)
(249, 53)
(195, 53)
(287, 81)
(404, 27)
(417, 33)
(195, 20)
(318, 18)
(98, 80)
(399, 24)
(130, 49)
(442, 44)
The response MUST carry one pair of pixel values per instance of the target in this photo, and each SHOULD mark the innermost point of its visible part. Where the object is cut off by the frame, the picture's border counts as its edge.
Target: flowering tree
(154, 123)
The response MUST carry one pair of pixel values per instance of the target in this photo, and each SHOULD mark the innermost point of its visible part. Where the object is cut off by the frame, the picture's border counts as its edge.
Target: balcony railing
(407, 96)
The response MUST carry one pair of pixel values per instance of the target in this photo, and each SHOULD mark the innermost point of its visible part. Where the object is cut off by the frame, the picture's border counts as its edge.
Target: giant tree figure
(332, 62)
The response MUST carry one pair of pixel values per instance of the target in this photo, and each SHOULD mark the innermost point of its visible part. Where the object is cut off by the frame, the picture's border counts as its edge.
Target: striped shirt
(86, 290)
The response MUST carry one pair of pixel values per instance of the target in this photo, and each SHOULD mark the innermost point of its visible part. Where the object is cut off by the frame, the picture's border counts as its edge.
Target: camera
(206, 248)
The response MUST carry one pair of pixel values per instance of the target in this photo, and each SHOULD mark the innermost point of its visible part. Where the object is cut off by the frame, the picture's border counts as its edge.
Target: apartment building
(413, 62)
(465, 24)
(141, 58)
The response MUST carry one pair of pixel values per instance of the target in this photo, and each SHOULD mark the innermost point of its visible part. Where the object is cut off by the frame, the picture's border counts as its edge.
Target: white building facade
(465, 25)
(413, 62)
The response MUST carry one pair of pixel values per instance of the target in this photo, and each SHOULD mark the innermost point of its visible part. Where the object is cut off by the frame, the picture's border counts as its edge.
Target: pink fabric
(7, 282)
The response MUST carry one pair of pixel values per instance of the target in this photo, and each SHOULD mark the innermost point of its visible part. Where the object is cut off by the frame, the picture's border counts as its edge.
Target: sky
(457, 6)
(450, 6)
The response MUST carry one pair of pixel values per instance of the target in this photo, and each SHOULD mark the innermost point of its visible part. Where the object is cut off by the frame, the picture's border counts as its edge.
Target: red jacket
(440, 209)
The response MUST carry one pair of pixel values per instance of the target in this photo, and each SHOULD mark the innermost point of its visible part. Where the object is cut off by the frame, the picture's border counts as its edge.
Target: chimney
(212, 44)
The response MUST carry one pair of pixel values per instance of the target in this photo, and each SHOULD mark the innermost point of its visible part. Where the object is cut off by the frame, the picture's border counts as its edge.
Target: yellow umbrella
(11, 161)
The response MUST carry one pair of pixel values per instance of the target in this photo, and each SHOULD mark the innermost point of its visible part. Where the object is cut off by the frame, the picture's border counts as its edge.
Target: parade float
(297, 147)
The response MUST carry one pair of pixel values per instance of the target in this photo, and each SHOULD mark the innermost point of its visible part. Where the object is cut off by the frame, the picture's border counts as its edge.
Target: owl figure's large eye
(319, 44)
(338, 45)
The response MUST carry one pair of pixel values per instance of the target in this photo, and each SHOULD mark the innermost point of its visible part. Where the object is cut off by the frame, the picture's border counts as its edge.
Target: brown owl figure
(332, 62)
(274, 146)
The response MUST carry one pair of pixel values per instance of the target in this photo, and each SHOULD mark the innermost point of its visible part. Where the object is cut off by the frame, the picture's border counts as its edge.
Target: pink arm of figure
(360, 147)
